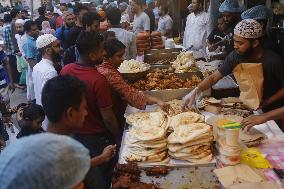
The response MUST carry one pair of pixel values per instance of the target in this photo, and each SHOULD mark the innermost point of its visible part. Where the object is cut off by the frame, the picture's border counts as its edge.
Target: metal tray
(169, 94)
(154, 56)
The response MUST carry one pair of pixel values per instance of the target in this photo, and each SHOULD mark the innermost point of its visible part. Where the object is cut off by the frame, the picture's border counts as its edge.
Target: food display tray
(169, 94)
(154, 56)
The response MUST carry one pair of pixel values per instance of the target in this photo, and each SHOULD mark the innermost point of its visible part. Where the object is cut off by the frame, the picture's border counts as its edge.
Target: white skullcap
(20, 21)
(248, 29)
(45, 40)
(105, 1)
(43, 161)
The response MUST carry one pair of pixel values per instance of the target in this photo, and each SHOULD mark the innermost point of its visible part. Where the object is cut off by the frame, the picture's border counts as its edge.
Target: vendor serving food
(122, 92)
(249, 54)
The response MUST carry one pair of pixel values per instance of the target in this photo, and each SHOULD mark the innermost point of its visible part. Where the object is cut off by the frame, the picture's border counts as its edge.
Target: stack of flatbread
(191, 142)
(147, 144)
(252, 138)
(184, 118)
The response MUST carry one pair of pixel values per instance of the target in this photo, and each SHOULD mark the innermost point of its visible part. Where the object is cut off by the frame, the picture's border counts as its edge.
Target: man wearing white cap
(248, 36)
(44, 70)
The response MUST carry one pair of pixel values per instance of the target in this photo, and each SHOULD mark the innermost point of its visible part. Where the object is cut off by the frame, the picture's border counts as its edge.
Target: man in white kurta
(44, 70)
(195, 33)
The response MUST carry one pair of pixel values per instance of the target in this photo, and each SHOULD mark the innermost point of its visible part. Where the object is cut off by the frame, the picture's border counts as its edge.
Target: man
(91, 23)
(32, 55)
(165, 24)
(59, 21)
(141, 19)
(25, 14)
(74, 32)
(62, 32)
(231, 12)
(50, 49)
(125, 20)
(11, 48)
(126, 37)
(195, 33)
(41, 18)
(248, 49)
(64, 102)
(44, 161)
(21, 62)
(263, 14)
(100, 128)
(149, 11)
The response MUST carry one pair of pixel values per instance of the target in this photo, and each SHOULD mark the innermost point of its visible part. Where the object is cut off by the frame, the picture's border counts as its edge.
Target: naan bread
(253, 137)
(205, 159)
(140, 152)
(154, 119)
(177, 147)
(176, 107)
(136, 116)
(195, 149)
(187, 133)
(184, 119)
(147, 133)
(199, 155)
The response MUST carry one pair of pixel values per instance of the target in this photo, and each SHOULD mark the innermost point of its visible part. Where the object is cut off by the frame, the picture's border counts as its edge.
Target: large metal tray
(153, 56)
(169, 94)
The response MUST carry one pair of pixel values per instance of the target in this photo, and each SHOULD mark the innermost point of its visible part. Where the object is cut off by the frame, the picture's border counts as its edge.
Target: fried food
(159, 80)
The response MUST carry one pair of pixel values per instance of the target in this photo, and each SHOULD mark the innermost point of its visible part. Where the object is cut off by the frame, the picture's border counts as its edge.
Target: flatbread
(176, 107)
(231, 100)
(184, 119)
(194, 149)
(205, 159)
(190, 132)
(177, 147)
(143, 145)
(136, 116)
(154, 119)
(251, 135)
(147, 133)
(199, 155)
(140, 152)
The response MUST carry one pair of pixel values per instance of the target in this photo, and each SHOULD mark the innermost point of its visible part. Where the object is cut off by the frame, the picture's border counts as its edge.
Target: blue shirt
(30, 50)
(62, 36)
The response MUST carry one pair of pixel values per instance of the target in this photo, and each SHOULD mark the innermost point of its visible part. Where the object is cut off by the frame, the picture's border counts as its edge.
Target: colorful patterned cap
(248, 29)
(231, 6)
(259, 12)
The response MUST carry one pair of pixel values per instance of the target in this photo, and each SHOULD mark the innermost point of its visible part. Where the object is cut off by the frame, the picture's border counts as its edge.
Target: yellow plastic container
(253, 158)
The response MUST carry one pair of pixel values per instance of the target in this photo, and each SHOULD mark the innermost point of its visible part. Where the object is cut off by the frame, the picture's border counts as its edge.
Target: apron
(249, 77)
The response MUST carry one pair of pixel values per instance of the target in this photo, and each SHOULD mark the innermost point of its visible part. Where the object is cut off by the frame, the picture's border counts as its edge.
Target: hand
(253, 120)
(190, 99)
(12, 87)
(6, 119)
(108, 153)
(165, 107)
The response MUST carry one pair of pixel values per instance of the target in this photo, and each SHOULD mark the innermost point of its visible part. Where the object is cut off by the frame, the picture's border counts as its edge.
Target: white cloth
(30, 84)
(128, 39)
(141, 23)
(42, 72)
(165, 23)
(124, 18)
(21, 39)
(195, 33)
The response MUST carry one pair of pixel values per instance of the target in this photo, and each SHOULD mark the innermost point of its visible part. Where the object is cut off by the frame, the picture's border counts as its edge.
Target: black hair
(7, 18)
(63, 4)
(165, 8)
(28, 25)
(140, 2)
(114, 16)
(89, 18)
(109, 35)
(78, 8)
(41, 11)
(112, 46)
(25, 11)
(88, 42)
(32, 112)
(2, 20)
(14, 12)
(61, 93)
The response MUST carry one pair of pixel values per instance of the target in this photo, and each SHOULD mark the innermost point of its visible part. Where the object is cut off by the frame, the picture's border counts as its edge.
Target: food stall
(192, 148)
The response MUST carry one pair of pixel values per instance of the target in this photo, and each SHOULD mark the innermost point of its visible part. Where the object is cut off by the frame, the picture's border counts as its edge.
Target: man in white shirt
(141, 19)
(195, 33)
(165, 24)
(126, 37)
(44, 70)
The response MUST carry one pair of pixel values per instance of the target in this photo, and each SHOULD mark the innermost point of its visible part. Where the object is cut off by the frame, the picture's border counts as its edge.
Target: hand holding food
(190, 99)
(108, 152)
(253, 120)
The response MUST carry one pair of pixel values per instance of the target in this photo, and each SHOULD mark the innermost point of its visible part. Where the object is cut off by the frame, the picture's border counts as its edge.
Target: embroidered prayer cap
(231, 6)
(259, 12)
(248, 29)
(45, 40)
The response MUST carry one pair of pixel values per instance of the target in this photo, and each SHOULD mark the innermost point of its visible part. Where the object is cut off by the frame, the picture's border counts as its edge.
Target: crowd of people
(68, 65)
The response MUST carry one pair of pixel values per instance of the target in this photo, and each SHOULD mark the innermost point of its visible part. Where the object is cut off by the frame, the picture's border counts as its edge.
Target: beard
(70, 25)
(56, 57)
(248, 52)
(21, 33)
